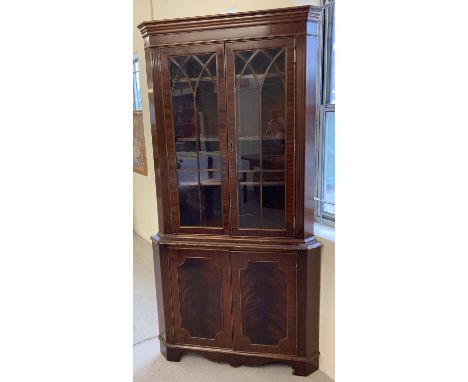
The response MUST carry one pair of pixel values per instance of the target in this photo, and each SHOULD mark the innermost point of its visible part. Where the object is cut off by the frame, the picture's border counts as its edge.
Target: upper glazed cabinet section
(229, 104)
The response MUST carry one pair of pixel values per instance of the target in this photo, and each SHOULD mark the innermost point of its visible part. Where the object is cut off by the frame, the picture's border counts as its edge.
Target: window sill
(324, 232)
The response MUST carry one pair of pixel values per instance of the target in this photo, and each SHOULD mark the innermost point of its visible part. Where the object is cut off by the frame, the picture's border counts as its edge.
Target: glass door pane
(260, 96)
(194, 95)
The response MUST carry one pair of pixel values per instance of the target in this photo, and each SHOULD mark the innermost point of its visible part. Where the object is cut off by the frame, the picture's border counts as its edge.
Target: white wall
(145, 221)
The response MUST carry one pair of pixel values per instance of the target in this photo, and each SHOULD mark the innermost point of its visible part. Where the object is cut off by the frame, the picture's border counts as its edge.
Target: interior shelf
(257, 138)
(192, 154)
(193, 139)
(202, 183)
(265, 184)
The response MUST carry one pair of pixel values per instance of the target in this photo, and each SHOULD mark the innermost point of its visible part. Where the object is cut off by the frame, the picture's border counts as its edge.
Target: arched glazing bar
(260, 124)
(195, 120)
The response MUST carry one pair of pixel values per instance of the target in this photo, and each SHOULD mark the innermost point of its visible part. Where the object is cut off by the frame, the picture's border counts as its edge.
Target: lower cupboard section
(234, 299)
(244, 303)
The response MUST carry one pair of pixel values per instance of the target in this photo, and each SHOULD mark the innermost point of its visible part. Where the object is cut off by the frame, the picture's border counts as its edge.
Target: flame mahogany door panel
(264, 302)
(200, 294)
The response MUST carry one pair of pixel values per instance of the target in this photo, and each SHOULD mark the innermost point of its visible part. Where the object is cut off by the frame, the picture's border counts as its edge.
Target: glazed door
(260, 104)
(195, 117)
(201, 300)
(264, 302)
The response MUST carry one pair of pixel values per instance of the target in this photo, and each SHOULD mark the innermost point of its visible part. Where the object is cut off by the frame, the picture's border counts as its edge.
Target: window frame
(325, 106)
(137, 101)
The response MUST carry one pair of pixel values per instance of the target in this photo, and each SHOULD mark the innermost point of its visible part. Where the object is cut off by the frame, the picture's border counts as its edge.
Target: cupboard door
(264, 302)
(195, 117)
(200, 293)
(260, 104)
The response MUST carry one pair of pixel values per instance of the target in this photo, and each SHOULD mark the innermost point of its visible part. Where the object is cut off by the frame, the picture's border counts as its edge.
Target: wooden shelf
(194, 139)
(202, 183)
(257, 138)
(195, 79)
(265, 184)
(193, 154)
(259, 76)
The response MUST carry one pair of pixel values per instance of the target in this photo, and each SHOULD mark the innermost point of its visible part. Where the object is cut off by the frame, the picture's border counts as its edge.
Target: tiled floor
(148, 363)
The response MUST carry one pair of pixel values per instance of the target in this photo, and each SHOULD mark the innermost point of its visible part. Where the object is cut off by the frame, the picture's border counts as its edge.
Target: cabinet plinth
(233, 112)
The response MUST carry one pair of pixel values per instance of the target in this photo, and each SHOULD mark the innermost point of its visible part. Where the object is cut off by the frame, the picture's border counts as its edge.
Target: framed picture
(139, 152)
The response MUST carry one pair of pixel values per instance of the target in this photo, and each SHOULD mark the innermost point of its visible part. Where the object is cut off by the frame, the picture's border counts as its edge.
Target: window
(325, 192)
(136, 84)
(139, 152)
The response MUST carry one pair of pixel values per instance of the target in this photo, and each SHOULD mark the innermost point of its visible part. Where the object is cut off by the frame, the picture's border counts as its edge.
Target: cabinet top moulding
(287, 21)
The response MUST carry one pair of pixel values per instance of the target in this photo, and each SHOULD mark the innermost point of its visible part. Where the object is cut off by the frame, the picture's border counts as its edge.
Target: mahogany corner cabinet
(233, 110)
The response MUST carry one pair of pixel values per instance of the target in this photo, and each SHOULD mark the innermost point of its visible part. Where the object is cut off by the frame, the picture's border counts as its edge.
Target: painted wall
(145, 221)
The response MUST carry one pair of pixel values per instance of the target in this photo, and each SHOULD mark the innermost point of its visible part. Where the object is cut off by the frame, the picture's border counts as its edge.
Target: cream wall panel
(145, 221)
(181, 8)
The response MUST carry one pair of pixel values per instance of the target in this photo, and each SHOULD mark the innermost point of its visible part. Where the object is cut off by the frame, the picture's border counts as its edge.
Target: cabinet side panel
(158, 137)
(300, 45)
(161, 272)
(301, 303)
(311, 112)
(313, 300)
(307, 80)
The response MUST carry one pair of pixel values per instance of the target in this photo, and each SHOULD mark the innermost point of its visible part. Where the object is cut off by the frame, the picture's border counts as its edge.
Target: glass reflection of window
(195, 121)
(260, 124)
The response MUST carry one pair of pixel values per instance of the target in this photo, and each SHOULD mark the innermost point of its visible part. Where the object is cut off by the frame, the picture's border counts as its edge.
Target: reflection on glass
(273, 199)
(248, 154)
(261, 126)
(211, 206)
(210, 177)
(329, 172)
(189, 197)
(195, 122)
(249, 199)
(186, 155)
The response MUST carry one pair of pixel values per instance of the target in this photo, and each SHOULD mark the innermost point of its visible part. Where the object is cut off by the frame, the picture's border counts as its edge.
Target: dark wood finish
(158, 133)
(161, 273)
(287, 43)
(306, 113)
(239, 295)
(302, 366)
(271, 23)
(201, 298)
(264, 302)
(267, 17)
